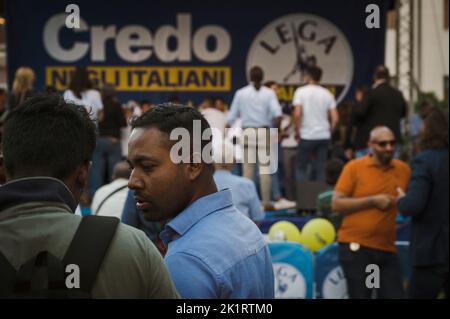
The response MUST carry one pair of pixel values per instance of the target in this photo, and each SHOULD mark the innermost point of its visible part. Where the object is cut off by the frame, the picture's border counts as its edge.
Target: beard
(384, 158)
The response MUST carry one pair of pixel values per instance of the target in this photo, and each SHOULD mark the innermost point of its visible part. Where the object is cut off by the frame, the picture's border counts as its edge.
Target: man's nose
(389, 147)
(135, 182)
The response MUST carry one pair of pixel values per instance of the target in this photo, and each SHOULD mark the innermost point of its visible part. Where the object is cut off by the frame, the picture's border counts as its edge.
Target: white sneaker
(283, 203)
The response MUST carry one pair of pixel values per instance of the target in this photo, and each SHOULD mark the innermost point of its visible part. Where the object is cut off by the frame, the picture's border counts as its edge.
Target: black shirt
(113, 119)
(383, 105)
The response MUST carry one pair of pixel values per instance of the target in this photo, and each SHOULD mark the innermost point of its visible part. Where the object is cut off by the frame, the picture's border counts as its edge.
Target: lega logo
(288, 45)
(289, 282)
(335, 286)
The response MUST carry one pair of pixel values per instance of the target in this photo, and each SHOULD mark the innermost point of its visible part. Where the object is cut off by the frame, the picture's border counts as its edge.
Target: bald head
(121, 170)
(382, 144)
(381, 132)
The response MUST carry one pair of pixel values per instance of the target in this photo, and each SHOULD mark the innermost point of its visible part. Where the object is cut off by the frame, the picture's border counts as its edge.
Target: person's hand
(400, 193)
(359, 96)
(349, 153)
(383, 201)
(283, 134)
(297, 136)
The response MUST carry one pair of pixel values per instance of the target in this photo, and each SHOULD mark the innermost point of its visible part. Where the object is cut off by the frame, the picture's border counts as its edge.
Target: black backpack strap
(7, 277)
(89, 247)
(108, 197)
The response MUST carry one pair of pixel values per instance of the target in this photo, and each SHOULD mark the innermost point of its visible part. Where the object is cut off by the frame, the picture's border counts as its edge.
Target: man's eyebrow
(141, 158)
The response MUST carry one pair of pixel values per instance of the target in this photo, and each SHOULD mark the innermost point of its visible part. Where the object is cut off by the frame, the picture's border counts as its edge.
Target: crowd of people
(81, 149)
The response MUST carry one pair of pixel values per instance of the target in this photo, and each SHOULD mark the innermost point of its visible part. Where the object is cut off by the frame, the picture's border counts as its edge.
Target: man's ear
(195, 167)
(83, 174)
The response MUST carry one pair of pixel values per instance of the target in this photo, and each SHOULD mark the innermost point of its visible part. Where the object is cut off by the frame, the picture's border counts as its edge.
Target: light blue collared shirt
(256, 108)
(214, 251)
(243, 191)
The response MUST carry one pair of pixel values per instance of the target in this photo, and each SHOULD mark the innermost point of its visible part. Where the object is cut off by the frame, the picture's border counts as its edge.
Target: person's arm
(255, 211)
(362, 109)
(192, 277)
(416, 198)
(348, 140)
(297, 107)
(334, 119)
(234, 110)
(97, 104)
(121, 119)
(297, 117)
(276, 111)
(343, 200)
(405, 110)
(343, 203)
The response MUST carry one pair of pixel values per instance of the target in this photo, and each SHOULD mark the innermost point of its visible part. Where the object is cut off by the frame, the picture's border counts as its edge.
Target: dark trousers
(354, 265)
(312, 153)
(428, 282)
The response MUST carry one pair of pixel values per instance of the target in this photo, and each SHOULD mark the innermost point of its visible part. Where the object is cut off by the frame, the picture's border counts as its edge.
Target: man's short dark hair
(333, 170)
(315, 73)
(175, 99)
(382, 73)
(47, 136)
(256, 74)
(168, 117)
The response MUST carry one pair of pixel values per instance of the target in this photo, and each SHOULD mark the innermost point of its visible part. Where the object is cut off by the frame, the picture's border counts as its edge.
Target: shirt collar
(378, 83)
(198, 210)
(36, 189)
(222, 172)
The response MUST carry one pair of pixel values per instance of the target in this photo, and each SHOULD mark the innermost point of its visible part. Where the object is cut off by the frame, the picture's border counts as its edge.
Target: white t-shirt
(215, 118)
(113, 206)
(288, 142)
(90, 99)
(316, 102)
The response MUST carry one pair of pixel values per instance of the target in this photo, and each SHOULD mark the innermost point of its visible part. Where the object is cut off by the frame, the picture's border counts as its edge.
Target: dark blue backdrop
(242, 19)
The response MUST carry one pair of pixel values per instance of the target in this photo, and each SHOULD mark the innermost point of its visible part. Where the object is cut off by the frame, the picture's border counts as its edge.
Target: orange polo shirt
(372, 227)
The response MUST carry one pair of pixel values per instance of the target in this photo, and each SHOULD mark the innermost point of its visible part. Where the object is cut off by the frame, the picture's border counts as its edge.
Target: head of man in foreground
(47, 136)
(163, 187)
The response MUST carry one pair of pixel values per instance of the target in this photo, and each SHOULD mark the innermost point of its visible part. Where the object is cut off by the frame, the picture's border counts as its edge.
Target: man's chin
(151, 216)
(387, 160)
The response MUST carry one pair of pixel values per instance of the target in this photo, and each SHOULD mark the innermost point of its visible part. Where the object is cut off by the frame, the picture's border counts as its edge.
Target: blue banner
(293, 267)
(154, 49)
(330, 279)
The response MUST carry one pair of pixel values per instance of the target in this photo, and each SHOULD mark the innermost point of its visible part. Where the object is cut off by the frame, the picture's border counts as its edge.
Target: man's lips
(141, 202)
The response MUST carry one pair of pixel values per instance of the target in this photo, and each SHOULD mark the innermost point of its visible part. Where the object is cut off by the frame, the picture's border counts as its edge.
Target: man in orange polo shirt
(366, 194)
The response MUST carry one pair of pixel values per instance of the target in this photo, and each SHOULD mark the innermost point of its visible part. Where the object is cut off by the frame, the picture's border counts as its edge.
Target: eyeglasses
(383, 144)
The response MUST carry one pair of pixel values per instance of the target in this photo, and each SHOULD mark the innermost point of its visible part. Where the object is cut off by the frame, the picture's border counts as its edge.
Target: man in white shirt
(259, 110)
(109, 199)
(216, 118)
(315, 118)
(90, 99)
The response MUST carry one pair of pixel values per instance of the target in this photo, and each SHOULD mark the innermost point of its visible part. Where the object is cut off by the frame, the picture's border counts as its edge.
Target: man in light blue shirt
(257, 105)
(213, 250)
(216, 252)
(243, 190)
(259, 110)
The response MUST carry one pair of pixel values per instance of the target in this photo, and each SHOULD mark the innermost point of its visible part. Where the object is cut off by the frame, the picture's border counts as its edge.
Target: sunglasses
(383, 144)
